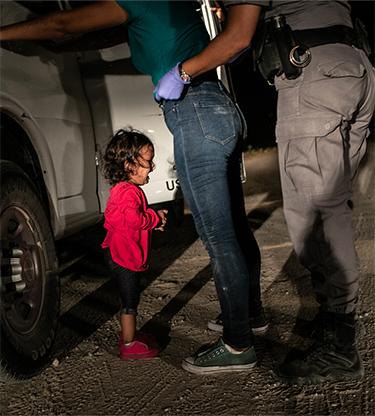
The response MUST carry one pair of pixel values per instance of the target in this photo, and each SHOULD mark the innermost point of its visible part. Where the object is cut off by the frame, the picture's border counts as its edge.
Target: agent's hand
(163, 216)
(170, 86)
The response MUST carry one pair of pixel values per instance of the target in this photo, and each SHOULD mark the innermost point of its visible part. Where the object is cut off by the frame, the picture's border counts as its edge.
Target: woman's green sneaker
(218, 359)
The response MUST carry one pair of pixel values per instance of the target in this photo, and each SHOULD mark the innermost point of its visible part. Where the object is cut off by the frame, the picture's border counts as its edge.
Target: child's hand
(163, 216)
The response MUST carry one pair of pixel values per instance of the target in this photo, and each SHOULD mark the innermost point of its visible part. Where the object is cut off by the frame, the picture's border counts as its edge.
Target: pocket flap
(300, 127)
(343, 69)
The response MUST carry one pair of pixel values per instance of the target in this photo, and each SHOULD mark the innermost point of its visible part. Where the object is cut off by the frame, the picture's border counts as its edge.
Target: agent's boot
(334, 357)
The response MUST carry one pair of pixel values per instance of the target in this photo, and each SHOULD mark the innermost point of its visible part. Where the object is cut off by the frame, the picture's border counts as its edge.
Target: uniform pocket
(313, 156)
(301, 164)
(342, 69)
(302, 127)
(219, 123)
(299, 138)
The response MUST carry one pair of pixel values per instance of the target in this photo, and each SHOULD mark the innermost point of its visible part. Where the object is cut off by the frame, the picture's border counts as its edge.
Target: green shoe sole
(195, 369)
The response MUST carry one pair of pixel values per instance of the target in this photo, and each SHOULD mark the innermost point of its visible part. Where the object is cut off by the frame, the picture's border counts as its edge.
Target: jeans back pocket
(220, 123)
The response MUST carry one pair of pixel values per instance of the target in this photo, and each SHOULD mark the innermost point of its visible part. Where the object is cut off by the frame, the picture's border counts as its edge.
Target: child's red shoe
(137, 350)
(142, 337)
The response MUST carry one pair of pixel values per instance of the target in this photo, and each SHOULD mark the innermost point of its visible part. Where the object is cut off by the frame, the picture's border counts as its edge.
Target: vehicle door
(44, 89)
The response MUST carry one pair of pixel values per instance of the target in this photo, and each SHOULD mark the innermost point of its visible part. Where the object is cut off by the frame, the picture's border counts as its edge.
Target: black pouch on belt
(265, 54)
(276, 50)
(283, 37)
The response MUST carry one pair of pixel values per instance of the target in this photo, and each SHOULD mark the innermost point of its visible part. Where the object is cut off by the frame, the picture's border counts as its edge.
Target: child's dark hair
(124, 146)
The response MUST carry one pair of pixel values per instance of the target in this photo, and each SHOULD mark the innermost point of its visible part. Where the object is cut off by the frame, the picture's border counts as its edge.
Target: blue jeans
(207, 128)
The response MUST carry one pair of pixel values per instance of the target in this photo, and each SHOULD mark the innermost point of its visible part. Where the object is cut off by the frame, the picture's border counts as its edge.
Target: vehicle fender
(24, 118)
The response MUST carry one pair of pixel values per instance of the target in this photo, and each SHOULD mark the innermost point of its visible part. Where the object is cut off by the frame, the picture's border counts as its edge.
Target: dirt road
(87, 378)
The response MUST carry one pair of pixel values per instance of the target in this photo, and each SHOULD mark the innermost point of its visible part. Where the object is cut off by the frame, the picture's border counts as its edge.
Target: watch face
(185, 76)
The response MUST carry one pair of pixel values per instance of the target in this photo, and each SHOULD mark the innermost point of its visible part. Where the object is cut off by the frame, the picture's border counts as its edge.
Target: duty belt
(325, 35)
(279, 50)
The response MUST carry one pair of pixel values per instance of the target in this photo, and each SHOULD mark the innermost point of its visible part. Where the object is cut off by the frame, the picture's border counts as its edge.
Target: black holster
(265, 54)
(273, 46)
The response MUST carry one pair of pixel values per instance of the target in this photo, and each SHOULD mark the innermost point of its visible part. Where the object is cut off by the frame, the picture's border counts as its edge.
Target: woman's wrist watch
(185, 77)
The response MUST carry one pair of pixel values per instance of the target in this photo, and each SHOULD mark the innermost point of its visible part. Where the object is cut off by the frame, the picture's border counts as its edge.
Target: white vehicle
(58, 110)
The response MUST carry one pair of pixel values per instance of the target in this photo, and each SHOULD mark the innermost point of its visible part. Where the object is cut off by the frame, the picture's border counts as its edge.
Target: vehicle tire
(30, 290)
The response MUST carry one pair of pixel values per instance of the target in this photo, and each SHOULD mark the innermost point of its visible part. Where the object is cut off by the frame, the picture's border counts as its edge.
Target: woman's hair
(123, 147)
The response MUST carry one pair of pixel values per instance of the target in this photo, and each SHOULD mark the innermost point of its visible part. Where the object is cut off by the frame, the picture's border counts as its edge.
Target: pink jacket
(129, 222)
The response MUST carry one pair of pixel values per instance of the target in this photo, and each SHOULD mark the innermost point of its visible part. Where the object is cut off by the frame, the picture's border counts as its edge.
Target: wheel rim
(21, 310)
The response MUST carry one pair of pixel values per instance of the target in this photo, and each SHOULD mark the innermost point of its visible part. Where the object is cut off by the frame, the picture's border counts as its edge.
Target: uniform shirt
(129, 222)
(163, 33)
(305, 14)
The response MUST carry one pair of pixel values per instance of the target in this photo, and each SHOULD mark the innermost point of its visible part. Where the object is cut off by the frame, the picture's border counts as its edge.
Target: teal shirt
(163, 33)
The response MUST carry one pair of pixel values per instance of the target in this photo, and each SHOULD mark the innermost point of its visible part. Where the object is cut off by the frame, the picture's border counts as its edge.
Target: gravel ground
(86, 377)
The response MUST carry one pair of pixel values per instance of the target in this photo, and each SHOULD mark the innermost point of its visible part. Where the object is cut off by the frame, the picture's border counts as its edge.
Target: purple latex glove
(170, 85)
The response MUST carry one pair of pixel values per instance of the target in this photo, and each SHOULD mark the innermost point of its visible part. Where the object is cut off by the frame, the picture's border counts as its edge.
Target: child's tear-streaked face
(144, 165)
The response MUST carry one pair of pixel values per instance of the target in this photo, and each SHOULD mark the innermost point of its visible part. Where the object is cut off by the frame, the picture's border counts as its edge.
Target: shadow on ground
(96, 308)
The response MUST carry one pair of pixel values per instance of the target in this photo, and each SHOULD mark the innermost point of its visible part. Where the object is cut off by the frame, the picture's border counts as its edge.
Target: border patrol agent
(326, 98)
